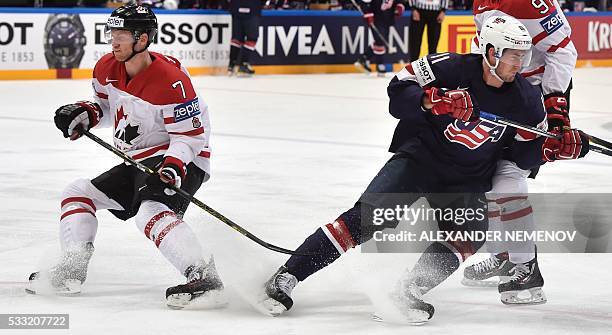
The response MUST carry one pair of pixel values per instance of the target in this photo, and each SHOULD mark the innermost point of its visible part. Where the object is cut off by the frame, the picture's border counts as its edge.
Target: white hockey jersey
(155, 113)
(554, 55)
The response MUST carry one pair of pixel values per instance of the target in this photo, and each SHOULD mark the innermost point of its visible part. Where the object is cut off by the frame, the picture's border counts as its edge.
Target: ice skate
(231, 69)
(363, 64)
(524, 286)
(245, 70)
(410, 303)
(481, 274)
(278, 289)
(65, 278)
(203, 289)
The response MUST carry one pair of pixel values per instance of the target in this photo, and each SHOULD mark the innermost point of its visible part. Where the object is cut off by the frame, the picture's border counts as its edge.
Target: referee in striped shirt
(428, 13)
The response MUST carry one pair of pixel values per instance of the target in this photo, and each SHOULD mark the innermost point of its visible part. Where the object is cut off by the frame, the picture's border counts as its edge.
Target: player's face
(510, 64)
(122, 42)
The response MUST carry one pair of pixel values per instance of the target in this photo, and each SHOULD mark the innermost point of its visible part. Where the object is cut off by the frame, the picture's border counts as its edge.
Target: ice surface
(290, 153)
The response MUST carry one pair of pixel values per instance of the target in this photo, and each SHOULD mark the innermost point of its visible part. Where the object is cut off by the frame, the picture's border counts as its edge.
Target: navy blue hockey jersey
(469, 149)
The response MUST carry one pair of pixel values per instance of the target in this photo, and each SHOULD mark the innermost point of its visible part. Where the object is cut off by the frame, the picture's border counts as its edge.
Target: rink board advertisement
(592, 36)
(289, 40)
(66, 43)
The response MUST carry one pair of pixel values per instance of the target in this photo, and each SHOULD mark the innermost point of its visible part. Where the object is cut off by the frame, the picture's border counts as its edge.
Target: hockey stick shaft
(192, 199)
(595, 144)
(373, 27)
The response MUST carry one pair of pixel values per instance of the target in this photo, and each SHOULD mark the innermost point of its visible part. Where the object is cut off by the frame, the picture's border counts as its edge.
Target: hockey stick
(595, 144)
(600, 142)
(193, 199)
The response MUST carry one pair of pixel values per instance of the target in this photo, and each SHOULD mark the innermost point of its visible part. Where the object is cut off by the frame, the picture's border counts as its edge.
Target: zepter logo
(115, 22)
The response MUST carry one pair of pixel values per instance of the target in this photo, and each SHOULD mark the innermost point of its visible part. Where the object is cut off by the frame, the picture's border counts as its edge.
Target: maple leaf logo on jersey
(473, 134)
(124, 131)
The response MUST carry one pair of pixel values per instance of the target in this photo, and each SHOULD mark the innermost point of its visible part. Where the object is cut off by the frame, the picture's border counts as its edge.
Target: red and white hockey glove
(572, 145)
(557, 112)
(369, 18)
(456, 103)
(82, 114)
(399, 10)
(171, 171)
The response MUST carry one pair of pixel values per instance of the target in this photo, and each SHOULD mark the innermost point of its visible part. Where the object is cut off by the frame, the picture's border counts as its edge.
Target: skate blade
(38, 287)
(271, 307)
(479, 283)
(413, 317)
(533, 296)
(214, 299)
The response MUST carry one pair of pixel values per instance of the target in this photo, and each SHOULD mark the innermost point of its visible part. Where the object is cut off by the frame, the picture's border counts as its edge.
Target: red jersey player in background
(552, 63)
(157, 119)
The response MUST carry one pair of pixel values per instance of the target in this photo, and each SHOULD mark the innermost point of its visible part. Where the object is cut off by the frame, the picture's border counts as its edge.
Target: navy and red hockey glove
(82, 114)
(456, 103)
(573, 144)
(399, 10)
(557, 113)
(171, 172)
(369, 18)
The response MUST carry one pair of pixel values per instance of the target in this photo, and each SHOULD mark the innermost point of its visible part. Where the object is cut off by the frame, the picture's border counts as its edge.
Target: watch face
(64, 41)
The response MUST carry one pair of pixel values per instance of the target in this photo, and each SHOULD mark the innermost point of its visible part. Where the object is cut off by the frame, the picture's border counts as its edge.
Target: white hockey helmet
(503, 33)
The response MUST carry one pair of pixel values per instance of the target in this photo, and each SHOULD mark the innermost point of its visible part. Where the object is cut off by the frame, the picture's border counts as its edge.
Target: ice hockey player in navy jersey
(157, 119)
(440, 146)
(380, 14)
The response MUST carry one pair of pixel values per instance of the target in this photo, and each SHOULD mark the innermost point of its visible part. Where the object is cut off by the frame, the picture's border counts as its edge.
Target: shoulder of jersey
(168, 83)
(106, 67)
(519, 9)
(531, 97)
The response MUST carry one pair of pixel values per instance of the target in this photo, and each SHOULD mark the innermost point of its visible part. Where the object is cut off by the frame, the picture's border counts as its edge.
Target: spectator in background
(462, 4)
(182, 4)
(428, 13)
(570, 5)
(245, 31)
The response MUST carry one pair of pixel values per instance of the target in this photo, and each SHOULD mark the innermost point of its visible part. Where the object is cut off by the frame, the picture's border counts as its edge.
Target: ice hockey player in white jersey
(157, 119)
(551, 67)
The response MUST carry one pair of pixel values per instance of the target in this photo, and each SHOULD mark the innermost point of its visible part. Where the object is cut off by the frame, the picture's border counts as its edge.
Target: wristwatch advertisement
(64, 40)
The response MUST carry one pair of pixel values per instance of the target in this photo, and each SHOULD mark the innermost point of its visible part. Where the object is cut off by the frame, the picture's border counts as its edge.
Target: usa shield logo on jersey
(474, 134)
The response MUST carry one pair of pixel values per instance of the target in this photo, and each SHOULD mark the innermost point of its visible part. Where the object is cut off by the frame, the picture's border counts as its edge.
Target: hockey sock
(78, 222)
(495, 246)
(436, 264)
(518, 216)
(369, 53)
(328, 242)
(303, 266)
(235, 46)
(378, 59)
(247, 49)
(173, 237)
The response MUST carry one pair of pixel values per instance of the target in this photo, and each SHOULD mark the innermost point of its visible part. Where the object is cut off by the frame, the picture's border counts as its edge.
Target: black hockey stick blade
(194, 200)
